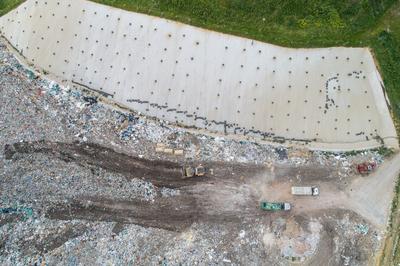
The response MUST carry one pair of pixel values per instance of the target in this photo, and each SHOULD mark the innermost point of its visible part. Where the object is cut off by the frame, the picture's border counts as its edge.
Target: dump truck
(305, 191)
(190, 171)
(366, 167)
(274, 206)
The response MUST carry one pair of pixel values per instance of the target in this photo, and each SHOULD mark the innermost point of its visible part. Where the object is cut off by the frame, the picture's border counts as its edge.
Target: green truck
(274, 206)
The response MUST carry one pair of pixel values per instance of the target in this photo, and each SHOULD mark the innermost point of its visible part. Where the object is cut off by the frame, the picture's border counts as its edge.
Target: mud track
(159, 173)
(223, 197)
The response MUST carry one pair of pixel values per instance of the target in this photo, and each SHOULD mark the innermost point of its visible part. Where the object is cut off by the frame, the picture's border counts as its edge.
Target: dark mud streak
(162, 214)
(11, 218)
(175, 213)
(54, 241)
(159, 173)
(118, 228)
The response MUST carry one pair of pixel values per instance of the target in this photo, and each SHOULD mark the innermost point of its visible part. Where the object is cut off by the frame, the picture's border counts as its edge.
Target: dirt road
(371, 195)
(230, 194)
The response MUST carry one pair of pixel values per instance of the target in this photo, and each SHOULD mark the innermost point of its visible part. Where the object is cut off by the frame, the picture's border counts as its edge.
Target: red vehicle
(366, 168)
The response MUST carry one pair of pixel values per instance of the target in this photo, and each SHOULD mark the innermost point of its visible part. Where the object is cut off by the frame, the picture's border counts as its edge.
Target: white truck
(305, 191)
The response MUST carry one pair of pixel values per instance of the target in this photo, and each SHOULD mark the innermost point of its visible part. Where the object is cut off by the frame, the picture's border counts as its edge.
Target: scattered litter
(282, 153)
(90, 100)
(362, 229)
(127, 133)
(28, 212)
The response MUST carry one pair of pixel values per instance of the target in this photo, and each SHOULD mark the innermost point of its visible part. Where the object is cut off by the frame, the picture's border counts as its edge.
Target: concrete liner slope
(332, 97)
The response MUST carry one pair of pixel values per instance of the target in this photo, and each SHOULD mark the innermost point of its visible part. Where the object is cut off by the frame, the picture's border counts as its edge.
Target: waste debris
(28, 212)
(362, 229)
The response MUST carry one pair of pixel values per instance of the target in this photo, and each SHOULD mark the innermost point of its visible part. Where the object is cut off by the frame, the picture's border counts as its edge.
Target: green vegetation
(387, 48)
(385, 152)
(297, 23)
(395, 202)
(382, 150)
(7, 5)
(351, 153)
(391, 250)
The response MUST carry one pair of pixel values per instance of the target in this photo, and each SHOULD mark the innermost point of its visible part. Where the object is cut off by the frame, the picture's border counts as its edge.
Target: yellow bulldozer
(189, 171)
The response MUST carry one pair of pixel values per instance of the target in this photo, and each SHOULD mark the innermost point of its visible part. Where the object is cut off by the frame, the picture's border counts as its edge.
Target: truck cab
(315, 191)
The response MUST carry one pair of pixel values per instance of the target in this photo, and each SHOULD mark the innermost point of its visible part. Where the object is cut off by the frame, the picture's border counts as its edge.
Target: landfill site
(97, 171)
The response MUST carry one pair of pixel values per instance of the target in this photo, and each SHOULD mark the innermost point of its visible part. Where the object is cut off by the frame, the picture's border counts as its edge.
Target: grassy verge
(387, 50)
(391, 250)
(7, 5)
(300, 23)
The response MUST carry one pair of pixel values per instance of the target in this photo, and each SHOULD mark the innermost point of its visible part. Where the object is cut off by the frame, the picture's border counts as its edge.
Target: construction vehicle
(274, 206)
(190, 171)
(305, 191)
(366, 167)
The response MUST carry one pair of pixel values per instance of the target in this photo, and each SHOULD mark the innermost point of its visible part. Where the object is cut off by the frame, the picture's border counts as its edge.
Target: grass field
(293, 23)
(7, 5)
